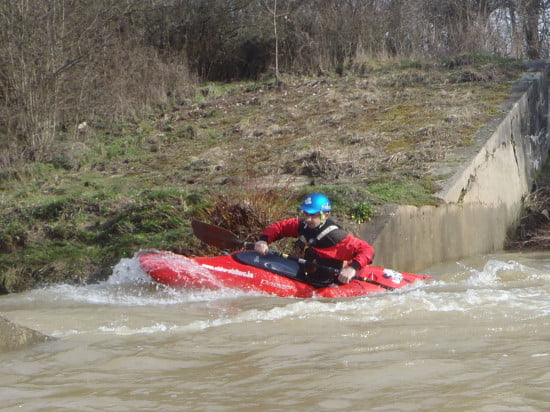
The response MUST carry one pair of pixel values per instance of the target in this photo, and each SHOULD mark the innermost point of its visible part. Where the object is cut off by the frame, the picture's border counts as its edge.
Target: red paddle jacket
(358, 253)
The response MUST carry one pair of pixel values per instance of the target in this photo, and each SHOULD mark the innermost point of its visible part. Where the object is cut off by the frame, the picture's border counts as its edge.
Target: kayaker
(321, 241)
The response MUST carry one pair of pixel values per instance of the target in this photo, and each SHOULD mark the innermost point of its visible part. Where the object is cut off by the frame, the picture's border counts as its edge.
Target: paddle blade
(216, 236)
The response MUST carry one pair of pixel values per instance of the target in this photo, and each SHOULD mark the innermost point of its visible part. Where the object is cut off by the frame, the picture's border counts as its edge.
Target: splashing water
(128, 271)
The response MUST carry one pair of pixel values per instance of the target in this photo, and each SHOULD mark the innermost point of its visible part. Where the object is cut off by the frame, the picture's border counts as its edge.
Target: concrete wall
(482, 201)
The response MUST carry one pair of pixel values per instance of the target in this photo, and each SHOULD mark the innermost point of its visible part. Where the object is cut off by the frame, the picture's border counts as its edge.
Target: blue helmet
(315, 203)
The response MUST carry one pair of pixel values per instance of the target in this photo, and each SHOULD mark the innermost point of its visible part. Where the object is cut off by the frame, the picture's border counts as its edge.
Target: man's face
(312, 219)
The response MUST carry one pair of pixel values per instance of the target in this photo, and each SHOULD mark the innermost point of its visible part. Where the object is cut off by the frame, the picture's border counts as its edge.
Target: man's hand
(346, 274)
(261, 247)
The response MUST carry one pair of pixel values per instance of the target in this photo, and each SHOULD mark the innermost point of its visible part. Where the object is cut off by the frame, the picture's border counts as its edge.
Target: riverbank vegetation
(533, 232)
(122, 121)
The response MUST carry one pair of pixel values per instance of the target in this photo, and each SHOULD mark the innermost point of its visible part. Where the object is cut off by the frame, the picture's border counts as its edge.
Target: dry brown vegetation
(386, 124)
(533, 232)
(65, 62)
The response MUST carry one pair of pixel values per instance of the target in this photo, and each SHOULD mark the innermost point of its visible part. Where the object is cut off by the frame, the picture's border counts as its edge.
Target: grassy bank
(240, 155)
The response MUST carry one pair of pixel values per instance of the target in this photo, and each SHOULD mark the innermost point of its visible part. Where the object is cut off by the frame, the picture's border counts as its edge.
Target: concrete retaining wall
(482, 201)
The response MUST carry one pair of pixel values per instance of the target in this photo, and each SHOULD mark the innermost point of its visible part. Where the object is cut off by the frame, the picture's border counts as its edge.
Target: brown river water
(475, 338)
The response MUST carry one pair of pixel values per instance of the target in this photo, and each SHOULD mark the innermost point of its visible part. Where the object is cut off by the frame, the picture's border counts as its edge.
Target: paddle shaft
(327, 268)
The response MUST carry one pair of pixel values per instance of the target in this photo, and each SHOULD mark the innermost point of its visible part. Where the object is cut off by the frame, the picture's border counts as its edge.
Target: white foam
(125, 330)
(128, 271)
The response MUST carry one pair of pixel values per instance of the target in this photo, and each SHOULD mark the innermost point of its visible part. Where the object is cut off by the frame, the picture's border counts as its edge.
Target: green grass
(412, 193)
(51, 238)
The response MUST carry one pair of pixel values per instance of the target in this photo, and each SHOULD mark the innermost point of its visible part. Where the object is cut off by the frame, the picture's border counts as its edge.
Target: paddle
(224, 239)
(217, 236)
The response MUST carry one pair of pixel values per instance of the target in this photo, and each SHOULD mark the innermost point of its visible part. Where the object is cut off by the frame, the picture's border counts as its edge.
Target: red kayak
(273, 275)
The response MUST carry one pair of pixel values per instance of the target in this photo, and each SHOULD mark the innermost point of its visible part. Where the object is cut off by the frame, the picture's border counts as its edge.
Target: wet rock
(13, 336)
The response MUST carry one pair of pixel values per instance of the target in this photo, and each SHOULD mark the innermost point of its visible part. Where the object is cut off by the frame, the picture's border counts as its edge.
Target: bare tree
(273, 11)
(530, 12)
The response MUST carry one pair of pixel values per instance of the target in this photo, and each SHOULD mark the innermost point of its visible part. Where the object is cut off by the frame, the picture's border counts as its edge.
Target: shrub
(362, 212)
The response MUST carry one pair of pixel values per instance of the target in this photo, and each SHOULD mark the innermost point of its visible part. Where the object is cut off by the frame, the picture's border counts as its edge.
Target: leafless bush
(63, 62)
(534, 229)
(259, 207)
